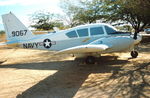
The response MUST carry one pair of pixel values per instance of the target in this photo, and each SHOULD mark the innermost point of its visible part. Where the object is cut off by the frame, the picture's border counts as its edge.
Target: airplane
(90, 40)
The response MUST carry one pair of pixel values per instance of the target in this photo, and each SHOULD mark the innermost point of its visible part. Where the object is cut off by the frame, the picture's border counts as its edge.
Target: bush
(2, 32)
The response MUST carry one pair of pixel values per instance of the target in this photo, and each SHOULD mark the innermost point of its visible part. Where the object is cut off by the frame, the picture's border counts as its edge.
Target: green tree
(45, 20)
(134, 12)
(89, 11)
(81, 12)
(2, 32)
(70, 8)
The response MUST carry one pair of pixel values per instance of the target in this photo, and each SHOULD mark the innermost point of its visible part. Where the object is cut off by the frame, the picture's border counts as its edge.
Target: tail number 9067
(19, 33)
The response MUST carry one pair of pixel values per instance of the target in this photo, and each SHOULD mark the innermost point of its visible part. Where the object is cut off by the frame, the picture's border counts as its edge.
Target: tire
(134, 54)
(90, 60)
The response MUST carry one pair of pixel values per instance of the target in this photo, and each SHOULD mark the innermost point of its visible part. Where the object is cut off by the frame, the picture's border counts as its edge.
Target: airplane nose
(139, 38)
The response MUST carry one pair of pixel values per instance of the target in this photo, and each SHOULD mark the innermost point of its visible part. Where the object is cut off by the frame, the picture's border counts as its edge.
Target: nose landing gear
(134, 54)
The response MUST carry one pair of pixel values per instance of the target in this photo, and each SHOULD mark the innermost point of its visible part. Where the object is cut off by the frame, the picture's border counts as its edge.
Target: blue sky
(24, 8)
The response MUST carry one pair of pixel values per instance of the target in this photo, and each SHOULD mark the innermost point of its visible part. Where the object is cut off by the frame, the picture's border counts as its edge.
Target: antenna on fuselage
(56, 29)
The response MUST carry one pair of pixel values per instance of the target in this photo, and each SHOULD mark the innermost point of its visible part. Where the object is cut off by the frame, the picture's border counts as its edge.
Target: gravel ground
(40, 74)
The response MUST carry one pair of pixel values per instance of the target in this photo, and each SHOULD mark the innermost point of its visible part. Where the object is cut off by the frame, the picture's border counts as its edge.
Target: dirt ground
(40, 74)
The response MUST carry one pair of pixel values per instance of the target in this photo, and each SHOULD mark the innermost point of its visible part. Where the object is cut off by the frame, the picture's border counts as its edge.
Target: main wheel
(134, 54)
(90, 60)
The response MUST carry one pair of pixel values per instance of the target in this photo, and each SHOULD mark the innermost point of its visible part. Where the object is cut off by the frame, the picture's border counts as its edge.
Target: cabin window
(109, 30)
(72, 34)
(82, 32)
(96, 30)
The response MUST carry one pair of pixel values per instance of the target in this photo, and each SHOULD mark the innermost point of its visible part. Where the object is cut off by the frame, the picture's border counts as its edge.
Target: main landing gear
(90, 60)
(134, 54)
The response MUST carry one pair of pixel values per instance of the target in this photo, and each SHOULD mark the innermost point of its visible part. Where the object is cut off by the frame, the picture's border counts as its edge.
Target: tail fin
(15, 29)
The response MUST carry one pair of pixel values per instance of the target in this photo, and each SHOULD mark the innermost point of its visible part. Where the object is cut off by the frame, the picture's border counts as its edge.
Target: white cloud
(27, 2)
(8, 2)
(3, 3)
(1, 22)
(26, 9)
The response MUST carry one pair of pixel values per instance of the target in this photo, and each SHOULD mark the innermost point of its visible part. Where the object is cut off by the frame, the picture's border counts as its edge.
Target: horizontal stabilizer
(3, 44)
(9, 42)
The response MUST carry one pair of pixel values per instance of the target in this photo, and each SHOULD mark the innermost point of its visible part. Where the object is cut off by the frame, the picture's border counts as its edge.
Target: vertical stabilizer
(15, 29)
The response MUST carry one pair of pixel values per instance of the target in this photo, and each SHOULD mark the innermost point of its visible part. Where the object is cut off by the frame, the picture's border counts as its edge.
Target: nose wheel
(90, 60)
(134, 54)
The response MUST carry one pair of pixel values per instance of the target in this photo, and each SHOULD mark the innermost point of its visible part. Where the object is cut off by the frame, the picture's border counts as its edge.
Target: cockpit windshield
(110, 30)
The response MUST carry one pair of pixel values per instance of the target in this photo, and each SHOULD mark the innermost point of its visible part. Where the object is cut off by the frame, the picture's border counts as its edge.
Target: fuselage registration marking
(35, 44)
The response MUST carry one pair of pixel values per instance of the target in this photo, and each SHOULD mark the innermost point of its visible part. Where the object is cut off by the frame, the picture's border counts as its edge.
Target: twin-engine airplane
(89, 40)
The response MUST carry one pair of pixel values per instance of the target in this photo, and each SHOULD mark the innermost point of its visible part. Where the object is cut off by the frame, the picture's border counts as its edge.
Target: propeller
(135, 36)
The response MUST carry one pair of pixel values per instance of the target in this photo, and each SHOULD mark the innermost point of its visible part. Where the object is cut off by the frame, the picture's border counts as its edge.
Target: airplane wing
(85, 49)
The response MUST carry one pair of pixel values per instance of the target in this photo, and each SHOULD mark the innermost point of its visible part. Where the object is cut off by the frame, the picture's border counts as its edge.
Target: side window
(71, 34)
(82, 32)
(96, 30)
(109, 30)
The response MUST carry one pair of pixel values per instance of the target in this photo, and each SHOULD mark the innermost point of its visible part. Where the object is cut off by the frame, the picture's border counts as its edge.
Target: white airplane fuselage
(59, 40)
(95, 38)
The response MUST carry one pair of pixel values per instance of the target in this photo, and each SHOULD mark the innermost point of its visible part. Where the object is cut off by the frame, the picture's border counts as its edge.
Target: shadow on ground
(70, 76)
(131, 82)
